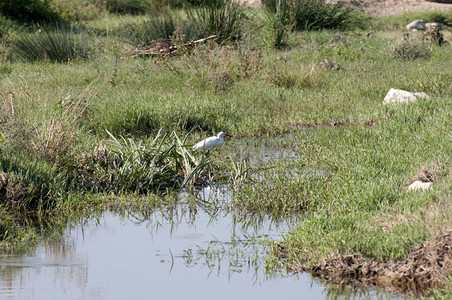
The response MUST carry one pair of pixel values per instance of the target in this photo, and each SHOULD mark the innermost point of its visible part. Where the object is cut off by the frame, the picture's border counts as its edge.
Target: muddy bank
(428, 266)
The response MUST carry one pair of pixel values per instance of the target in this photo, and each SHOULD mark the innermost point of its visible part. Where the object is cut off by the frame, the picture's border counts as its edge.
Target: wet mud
(427, 266)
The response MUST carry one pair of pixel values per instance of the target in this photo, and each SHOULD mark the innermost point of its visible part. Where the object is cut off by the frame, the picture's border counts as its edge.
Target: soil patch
(428, 266)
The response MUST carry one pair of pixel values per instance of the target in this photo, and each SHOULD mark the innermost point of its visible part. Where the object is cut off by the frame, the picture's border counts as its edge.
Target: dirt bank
(428, 266)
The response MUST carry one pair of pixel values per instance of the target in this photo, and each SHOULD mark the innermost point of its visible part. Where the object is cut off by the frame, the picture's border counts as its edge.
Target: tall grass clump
(166, 25)
(219, 17)
(280, 22)
(155, 27)
(318, 14)
(125, 165)
(222, 18)
(53, 44)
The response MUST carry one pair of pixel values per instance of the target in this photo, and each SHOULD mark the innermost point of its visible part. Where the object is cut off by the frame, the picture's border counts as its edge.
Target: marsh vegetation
(84, 126)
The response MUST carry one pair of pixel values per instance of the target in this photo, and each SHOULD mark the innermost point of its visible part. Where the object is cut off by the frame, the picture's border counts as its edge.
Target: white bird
(210, 142)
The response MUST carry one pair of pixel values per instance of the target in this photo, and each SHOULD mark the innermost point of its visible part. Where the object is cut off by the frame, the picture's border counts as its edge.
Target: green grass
(102, 124)
(365, 175)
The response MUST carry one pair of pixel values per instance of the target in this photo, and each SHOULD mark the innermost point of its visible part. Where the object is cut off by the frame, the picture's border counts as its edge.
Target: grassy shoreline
(59, 122)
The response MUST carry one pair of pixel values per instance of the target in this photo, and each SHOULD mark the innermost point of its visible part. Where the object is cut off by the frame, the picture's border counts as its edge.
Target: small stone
(420, 185)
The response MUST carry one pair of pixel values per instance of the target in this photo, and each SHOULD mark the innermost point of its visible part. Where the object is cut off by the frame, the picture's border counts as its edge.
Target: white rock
(420, 185)
(396, 96)
(416, 25)
(432, 25)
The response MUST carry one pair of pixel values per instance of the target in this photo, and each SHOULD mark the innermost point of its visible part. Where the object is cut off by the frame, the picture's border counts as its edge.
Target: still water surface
(182, 255)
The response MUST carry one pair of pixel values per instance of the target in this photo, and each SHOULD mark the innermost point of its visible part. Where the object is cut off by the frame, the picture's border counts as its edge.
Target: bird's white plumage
(210, 142)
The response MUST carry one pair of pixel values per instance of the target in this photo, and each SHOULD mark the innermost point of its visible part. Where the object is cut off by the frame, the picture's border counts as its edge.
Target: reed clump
(53, 44)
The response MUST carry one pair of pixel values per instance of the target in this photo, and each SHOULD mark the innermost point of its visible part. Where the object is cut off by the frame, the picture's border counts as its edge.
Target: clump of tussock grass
(49, 138)
(155, 27)
(281, 22)
(219, 17)
(222, 18)
(408, 48)
(53, 44)
(315, 14)
(165, 25)
(318, 14)
(54, 136)
(161, 163)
